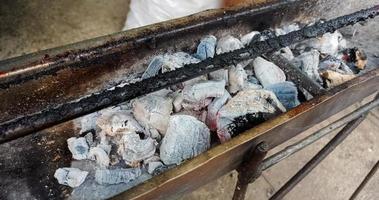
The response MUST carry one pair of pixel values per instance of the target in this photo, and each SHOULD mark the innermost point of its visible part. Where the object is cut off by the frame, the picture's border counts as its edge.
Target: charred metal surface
(298, 77)
(26, 124)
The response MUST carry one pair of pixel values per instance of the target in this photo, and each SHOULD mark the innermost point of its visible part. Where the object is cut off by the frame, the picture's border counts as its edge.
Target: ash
(122, 146)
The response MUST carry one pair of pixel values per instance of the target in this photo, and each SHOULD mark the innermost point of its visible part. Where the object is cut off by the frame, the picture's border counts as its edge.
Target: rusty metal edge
(240, 144)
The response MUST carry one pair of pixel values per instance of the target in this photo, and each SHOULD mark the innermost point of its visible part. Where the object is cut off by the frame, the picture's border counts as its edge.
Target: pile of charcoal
(157, 131)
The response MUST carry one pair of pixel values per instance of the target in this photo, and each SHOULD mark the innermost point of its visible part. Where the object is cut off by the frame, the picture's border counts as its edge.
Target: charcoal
(153, 111)
(115, 176)
(213, 109)
(196, 106)
(72, 177)
(100, 155)
(227, 44)
(237, 78)
(287, 29)
(308, 63)
(154, 67)
(186, 138)
(246, 102)
(203, 90)
(152, 166)
(206, 48)
(267, 72)
(116, 121)
(133, 149)
(177, 60)
(286, 53)
(246, 39)
(333, 78)
(78, 147)
(286, 92)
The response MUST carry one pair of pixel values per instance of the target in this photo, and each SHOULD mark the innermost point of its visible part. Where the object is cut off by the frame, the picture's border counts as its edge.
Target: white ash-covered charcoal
(100, 156)
(168, 62)
(228, 43)
(116, 176)
(267, 72)
(186, 138)
(153, 166)
(87, 123)
(246, 39)
(177, 101)
(177, 60)
(213, 109)
(193, 81)
(154, 67)
(237, 78)
(196, 106)
(334, 64)
(206, 48)
(153, 111)
(218, 75)
(286, 29)
(116, 121)
(78, 147)
(328, 44)
(286, 92)
(333, 78)
(246, 102)
(89, 138)
(251, 86)
(308, 63)
(286, 52)
(201, 115)
(203, 90)
(134, 149)
(72, 177)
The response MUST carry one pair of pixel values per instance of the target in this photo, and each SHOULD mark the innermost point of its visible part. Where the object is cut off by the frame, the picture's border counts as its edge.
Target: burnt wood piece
(24, 125)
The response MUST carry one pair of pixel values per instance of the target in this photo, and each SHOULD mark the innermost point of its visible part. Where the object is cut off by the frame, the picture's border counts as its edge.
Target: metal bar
(321, 155)
(297, 76)
(365, 181)
(292, 149)
(249, 170)
(24, 125)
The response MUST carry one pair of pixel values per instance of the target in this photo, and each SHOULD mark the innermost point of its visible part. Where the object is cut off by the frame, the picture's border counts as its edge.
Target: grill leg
(365, 181)
(288, 186)
(249, 170)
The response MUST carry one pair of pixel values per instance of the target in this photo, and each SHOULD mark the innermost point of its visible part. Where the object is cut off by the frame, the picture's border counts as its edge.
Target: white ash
(221, 74)
(287, 29)
(203, 90)
(177, 101)
(201, 115)
(100, 155)
(134, 149)
(72, 177)
(153, 166)
(286, 53)
(328, 44)
(196, 106)
(153, 111)
(78, 147)
(115, 176)
(267, 72)
(177, 60)
(87, 123)
(308, 63)
(186, 138)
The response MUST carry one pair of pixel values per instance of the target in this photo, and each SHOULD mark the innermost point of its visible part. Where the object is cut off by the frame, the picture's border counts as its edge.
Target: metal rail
(320, 156)
(50, 116)
(365, 181)
(292, 149)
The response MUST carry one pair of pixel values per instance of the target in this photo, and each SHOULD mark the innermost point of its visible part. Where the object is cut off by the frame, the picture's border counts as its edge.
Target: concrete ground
(28, 26)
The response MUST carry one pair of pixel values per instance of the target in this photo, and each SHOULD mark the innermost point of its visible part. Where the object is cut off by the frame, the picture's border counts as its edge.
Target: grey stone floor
(28, 26)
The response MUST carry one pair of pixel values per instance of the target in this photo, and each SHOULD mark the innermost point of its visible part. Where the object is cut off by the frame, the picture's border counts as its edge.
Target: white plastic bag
(145, 12)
